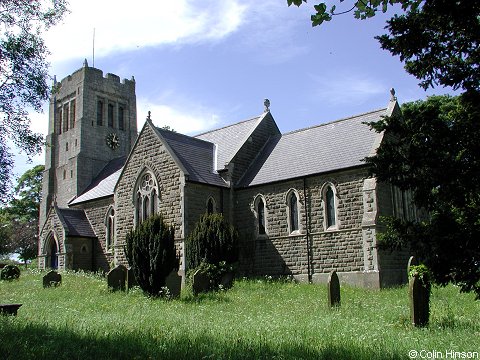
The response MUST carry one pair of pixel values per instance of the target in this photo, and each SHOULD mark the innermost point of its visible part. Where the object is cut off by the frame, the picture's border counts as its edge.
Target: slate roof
(104, 183)
(75, 222)
(333, 146)
(196, 156)
(230, 138)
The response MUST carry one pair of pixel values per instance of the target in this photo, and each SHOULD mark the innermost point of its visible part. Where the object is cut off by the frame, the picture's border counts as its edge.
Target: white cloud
(124, 25)
(188, 120)
(342, 88)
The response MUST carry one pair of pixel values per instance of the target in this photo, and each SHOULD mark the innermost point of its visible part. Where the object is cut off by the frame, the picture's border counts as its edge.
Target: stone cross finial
(266, 103)
(392, 95)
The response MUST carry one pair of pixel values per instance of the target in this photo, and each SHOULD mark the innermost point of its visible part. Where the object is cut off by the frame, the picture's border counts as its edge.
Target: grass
(256, 319)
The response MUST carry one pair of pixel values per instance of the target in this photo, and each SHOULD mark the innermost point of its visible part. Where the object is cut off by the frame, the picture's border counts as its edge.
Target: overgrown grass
(256, 319)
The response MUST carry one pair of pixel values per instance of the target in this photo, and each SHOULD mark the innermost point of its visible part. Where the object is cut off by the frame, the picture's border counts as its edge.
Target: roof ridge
(227, 126)
(334, 121)
(183, 135)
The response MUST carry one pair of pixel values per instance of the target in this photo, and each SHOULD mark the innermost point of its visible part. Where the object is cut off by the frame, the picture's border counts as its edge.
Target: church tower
(92, 120)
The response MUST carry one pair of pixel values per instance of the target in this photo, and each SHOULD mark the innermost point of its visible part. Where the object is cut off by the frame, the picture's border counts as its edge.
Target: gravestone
(201, 282)
(412, 261)
(174, 284)
(419, 300)
(52, 278)
(9, 309)
(227, 280)
(333, 287)
(117, 277)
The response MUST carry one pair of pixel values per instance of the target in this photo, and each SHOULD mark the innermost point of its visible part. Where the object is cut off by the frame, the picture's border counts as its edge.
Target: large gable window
(146, 203)
(293, 213)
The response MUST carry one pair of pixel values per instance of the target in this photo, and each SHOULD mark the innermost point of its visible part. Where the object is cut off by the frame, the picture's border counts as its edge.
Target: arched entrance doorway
(52, 252)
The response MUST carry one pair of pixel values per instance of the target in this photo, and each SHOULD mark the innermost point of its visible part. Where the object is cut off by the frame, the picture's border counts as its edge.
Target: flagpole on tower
(93, 60)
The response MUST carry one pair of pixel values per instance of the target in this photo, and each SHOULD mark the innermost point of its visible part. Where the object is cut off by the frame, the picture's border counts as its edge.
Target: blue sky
(203, 64)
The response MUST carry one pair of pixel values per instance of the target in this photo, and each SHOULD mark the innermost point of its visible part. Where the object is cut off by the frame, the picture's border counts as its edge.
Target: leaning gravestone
(419, 300)
(174, 284)
(412, 261)
(52, 278)
(117, 277)
(201, 282)
(333, 289)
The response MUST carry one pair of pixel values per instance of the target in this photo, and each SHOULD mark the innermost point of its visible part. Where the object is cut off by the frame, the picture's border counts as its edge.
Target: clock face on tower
(112, 140)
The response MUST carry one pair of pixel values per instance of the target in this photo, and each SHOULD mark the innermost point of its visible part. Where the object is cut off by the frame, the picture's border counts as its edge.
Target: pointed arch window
(211, 206)
(110, 115)
(292, 211)
(261, 217)
(121, 117)
(259, 210)
(330, 207)
(146, 203)
(110, 231)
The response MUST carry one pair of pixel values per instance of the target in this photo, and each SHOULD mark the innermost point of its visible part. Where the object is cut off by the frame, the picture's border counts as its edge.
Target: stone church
(303, 202)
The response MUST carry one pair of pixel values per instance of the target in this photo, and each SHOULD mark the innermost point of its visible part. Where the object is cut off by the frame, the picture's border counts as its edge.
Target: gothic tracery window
(147, 198)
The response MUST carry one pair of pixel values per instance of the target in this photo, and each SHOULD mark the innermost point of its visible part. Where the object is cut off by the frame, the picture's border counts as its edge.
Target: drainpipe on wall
(307, 229)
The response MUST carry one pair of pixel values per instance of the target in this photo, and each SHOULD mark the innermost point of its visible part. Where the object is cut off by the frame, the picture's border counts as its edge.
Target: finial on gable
(392, 95)
(149, 118)
(266, 103)
(85, 63)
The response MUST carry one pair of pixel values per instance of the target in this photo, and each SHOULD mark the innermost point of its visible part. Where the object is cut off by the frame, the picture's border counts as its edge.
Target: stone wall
(280, 253)
(75, 155)
(96, 212)
(196, 197)
(52, 227)
(149, 153)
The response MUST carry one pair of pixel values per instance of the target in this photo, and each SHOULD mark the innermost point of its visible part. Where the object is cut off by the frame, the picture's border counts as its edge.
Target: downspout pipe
(307, 230)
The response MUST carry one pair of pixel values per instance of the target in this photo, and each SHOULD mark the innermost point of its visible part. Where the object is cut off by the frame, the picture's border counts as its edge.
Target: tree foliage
(438, 40)
(19, 219)
(212, 241)
(433, 149)
(23, 76)
(151, 252)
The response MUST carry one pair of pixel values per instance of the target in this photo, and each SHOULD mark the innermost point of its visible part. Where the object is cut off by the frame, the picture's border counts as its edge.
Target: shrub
(10, 272)
(150, 251)
(212, 241)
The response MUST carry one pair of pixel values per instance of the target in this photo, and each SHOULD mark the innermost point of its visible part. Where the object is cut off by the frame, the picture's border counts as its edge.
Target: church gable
(151, 161)
(239, 144)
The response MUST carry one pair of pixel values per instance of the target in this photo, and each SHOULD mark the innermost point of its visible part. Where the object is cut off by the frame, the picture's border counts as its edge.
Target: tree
(151, 252)
(19, 220)
(23, 76)
(433, 148)
(212, 241)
